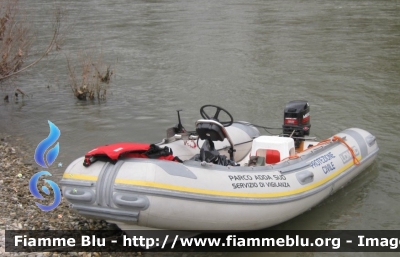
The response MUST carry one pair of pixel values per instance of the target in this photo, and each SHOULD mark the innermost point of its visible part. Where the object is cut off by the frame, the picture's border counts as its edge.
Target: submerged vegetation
(94, 80)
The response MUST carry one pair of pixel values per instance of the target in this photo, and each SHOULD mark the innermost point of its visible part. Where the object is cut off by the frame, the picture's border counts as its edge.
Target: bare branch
(16, 40)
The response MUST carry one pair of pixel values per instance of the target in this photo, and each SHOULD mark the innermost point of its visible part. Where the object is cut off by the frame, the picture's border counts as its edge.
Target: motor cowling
(296, 120)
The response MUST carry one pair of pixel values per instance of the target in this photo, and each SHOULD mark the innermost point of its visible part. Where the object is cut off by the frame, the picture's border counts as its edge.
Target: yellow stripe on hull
(214, 192)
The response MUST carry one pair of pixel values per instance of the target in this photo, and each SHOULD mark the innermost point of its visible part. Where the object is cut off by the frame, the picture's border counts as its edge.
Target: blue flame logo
(45, 144)
(33, 188)
(50, 158)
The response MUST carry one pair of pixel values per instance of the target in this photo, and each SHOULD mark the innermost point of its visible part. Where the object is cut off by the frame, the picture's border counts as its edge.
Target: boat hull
(148, 193)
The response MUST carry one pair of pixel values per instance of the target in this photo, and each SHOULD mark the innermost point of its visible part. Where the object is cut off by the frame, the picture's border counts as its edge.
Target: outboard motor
(296, 121)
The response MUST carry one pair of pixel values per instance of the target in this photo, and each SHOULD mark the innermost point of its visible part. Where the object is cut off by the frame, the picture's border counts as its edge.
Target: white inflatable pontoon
(230, 177)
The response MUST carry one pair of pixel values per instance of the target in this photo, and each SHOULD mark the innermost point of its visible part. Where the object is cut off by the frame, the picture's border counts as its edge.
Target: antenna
(179, 128)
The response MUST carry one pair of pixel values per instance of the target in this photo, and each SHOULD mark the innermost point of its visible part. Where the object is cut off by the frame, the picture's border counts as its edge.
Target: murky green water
(250, 57)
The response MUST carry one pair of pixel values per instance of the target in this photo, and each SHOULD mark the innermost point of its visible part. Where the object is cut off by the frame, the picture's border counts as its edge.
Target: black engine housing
(296, 119)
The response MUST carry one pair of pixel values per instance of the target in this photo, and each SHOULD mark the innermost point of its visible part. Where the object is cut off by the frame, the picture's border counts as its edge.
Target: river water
(250, 57)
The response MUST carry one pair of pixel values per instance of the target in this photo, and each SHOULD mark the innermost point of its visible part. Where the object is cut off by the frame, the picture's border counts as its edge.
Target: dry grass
(89, 80)
(94, 80)
(16, 39)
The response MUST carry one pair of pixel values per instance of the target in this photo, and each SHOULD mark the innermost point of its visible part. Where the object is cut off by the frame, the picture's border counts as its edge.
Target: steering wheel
(216, 114)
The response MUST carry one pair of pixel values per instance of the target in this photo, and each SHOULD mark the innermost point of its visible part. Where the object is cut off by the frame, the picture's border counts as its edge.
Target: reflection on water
(250, 57)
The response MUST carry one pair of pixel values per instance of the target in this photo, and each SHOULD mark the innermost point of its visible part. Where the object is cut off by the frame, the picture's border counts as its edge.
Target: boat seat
(210, 131)
(272, 148)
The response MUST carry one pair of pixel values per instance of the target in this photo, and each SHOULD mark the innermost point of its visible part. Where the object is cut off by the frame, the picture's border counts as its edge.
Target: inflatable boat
(223, 176)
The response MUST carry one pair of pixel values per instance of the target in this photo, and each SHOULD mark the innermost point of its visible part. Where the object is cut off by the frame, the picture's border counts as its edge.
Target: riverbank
(18, 210)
